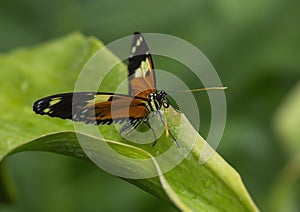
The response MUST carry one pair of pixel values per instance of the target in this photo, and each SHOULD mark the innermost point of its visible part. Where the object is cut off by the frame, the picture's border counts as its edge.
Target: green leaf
(31, 73)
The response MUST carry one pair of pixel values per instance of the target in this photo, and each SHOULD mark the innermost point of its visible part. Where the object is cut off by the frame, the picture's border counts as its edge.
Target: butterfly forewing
(93, 108)
(141, 75)
(60, 105)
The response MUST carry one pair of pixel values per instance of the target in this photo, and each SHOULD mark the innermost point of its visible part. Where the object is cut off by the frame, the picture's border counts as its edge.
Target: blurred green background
(254, 46)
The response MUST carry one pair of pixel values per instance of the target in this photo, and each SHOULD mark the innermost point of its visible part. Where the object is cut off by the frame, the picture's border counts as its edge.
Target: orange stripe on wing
(118, 108)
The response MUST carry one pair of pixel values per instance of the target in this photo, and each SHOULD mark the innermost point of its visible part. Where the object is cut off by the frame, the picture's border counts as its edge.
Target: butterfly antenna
(198, 89)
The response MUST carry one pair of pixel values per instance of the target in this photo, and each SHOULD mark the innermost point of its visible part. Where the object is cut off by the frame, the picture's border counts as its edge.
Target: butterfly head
(163, 99)
(158, 99)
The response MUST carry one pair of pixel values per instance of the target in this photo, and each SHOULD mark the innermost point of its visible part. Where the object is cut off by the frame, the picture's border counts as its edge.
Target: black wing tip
(37, 107)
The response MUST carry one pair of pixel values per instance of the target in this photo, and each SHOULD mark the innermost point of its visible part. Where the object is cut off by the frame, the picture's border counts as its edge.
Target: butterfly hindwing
(141, 70)
(93, 108)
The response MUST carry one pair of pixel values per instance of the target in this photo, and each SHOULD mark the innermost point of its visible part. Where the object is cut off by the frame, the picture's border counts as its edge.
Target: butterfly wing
(105, 108)
(93, 108)
(140, 68)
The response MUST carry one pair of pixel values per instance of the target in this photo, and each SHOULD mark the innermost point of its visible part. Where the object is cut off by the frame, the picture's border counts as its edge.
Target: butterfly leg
(128, 127)
(148, 125)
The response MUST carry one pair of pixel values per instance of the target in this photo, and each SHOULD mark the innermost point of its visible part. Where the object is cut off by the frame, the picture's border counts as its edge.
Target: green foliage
(283, 194)
(52, 68)
(254, 47)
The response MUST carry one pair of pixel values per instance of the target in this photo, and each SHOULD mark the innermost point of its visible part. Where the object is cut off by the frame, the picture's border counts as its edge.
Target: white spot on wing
(138, 73)
(133, 49)
(138, 42)
(142, 70)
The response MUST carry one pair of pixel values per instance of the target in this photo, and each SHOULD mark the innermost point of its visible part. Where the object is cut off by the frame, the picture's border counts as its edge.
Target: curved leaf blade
(52, 68)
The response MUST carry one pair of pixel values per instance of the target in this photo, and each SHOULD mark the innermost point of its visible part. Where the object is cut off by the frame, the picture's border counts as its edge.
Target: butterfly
(106, 108)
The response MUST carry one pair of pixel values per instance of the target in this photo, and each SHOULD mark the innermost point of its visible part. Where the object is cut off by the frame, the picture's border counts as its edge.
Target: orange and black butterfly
(106, 108)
